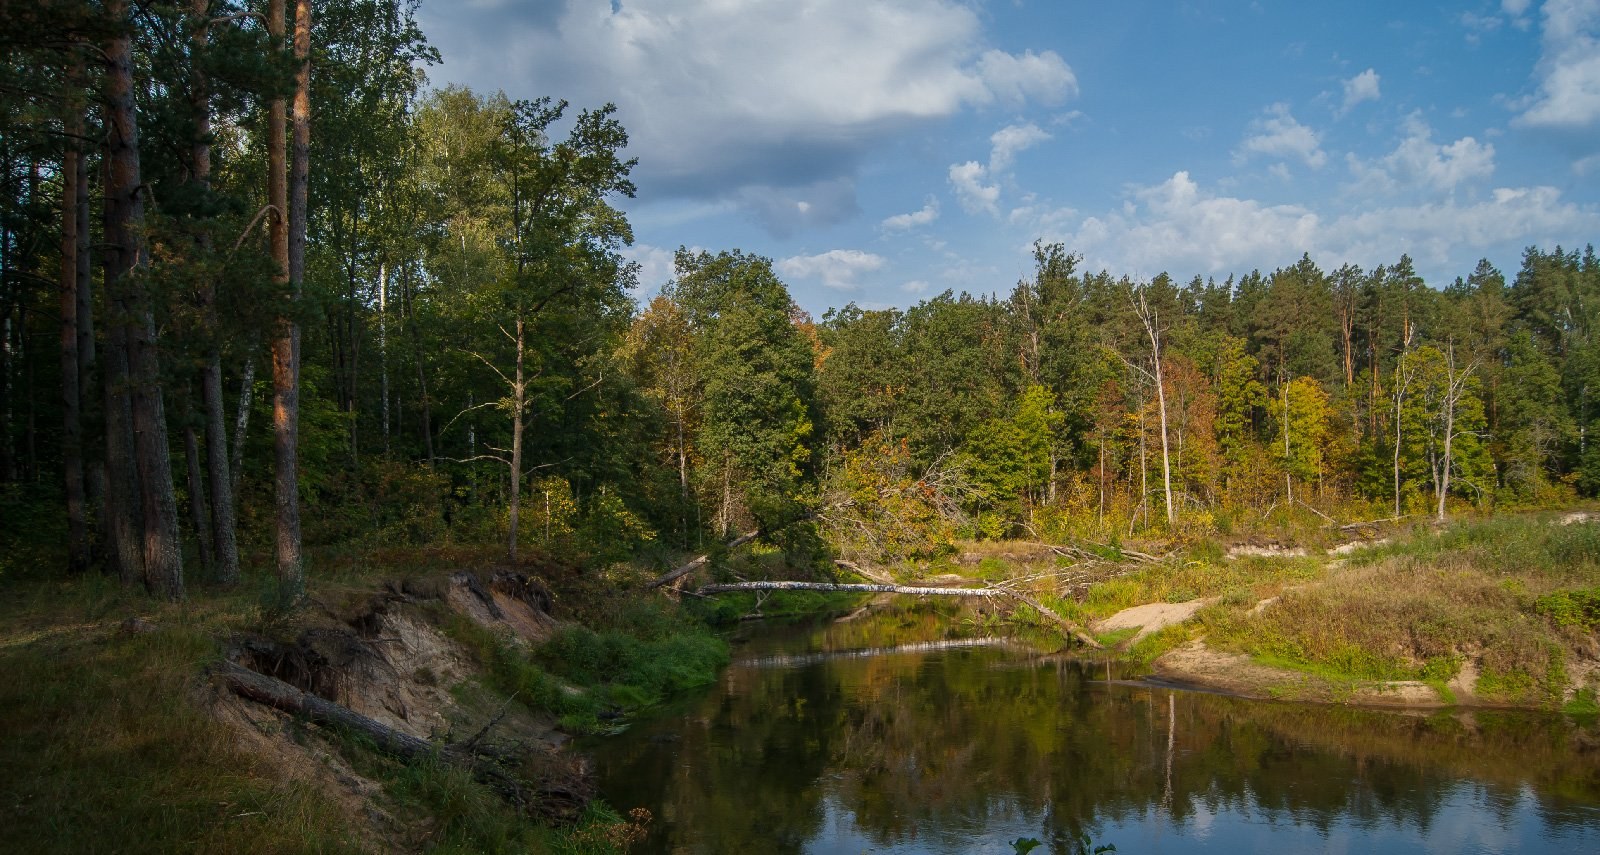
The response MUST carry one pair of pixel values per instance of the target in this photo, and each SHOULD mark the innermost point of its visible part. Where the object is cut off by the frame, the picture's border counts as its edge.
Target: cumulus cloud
(655, 266)
(1178, 227)
(836, 268)
(1419, 162)
(1569, 68)
(1044, 77)
(1278, 135)
(1008, 141)
(901, 222)
(975, 196)
(776, 94)
(1362, 87)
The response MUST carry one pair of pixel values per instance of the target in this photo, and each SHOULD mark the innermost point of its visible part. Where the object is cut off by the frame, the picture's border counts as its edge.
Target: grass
(590, 678)
(1516, 594)
(107, 744)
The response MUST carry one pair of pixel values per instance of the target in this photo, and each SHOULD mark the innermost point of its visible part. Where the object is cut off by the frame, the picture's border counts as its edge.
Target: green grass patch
(583, 675)
(107, 742)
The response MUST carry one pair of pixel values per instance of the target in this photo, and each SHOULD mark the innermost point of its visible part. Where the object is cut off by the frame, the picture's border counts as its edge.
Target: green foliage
(1578, 607)
(1009, 459)
(879, 509)
(581, 673)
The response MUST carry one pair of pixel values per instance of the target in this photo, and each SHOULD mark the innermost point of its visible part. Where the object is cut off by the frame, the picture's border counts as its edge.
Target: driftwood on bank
(700, 561)
(1068, 626)
(560, 802)
(867, 588)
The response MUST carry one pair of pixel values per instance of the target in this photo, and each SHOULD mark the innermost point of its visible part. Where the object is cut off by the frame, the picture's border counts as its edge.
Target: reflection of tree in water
(931, 747)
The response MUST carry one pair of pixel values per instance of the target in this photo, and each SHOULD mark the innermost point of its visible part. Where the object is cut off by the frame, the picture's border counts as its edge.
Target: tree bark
(288, 240)
(553, 800)
(1401, 380)
(163, 561)
(71, 389)
(519, 404)
(1151, 321)
(700, 561)
(199, 513)
(221, 521)
(862, 587)
(241, 424)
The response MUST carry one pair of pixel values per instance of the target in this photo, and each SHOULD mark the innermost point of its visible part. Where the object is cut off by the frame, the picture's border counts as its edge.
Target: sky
(883, 151)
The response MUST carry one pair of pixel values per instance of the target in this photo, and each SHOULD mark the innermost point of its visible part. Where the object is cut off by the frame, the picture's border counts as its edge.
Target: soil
(1200, 666)
(389, 660)
(1149, 618)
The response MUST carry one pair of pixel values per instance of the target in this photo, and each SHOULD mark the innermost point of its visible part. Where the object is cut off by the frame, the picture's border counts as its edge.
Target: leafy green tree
(758, 422)
(1009, 459)
(1302, 428)
(862, 376)
(1533, 420)
(1443, 420)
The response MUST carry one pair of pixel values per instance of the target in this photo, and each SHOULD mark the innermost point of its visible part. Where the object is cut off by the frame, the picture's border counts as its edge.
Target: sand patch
(1150, 617)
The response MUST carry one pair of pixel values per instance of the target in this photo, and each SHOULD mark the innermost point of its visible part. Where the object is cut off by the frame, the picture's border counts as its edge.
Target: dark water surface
(882, 734)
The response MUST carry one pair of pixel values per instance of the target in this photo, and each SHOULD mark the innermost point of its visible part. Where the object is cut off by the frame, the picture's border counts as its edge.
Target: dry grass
(1419, 608)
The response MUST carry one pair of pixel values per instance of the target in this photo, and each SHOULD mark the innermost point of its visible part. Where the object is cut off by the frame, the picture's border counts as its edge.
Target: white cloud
(836, 268)
(915, 286)
(1569, 68)
(1043, 77)
(719, 96)
(901, 222)
(1278, 135)
(1177, 227)
(1008, 141)
(1362, 87)
(655, 267)
(1515, 8)
(1419, 162)
(975, 196)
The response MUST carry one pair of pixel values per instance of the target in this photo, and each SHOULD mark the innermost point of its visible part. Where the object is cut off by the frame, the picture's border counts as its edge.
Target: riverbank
(125, 729)
(1498, 612)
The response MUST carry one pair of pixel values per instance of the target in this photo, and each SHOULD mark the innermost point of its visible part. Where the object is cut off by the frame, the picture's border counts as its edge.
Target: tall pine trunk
(221, 520)
(287, 187)
(163, 560)
(71, 390)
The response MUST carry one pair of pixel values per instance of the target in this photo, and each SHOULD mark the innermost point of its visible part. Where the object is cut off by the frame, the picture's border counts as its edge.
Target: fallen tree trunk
(701, 561)
(1049, 614)
(867, 588)
(1068, 626)
(864, 571)
(281, 696)
(555, 801)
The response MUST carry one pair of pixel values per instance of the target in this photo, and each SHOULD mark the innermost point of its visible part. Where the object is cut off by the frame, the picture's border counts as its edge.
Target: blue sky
(882, 151)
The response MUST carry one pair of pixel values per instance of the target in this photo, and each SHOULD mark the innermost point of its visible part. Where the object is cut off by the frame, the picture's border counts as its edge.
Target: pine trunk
(163, 561)
(71, 392)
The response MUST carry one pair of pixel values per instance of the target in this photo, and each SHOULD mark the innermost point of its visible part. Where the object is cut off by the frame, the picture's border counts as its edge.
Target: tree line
(252, 263)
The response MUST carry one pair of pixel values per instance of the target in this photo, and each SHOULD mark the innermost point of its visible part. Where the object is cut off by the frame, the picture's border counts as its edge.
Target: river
(913, 729)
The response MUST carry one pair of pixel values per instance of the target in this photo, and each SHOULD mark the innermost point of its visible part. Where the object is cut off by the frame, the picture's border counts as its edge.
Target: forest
(303, 359)
(257, 272)
(405, 317)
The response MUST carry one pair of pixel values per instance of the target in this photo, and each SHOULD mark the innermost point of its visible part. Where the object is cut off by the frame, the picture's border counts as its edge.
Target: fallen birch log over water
(862, 587)
(1049, 614)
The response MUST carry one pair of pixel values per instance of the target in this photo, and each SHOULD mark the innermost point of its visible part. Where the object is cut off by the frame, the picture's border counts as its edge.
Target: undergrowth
(1517, 595)
(591, 678)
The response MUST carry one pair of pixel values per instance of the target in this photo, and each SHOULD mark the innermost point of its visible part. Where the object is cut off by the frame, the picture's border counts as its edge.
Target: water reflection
(962, 747)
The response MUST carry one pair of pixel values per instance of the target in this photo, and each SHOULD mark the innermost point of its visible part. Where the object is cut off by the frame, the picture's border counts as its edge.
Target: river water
(888, 733)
